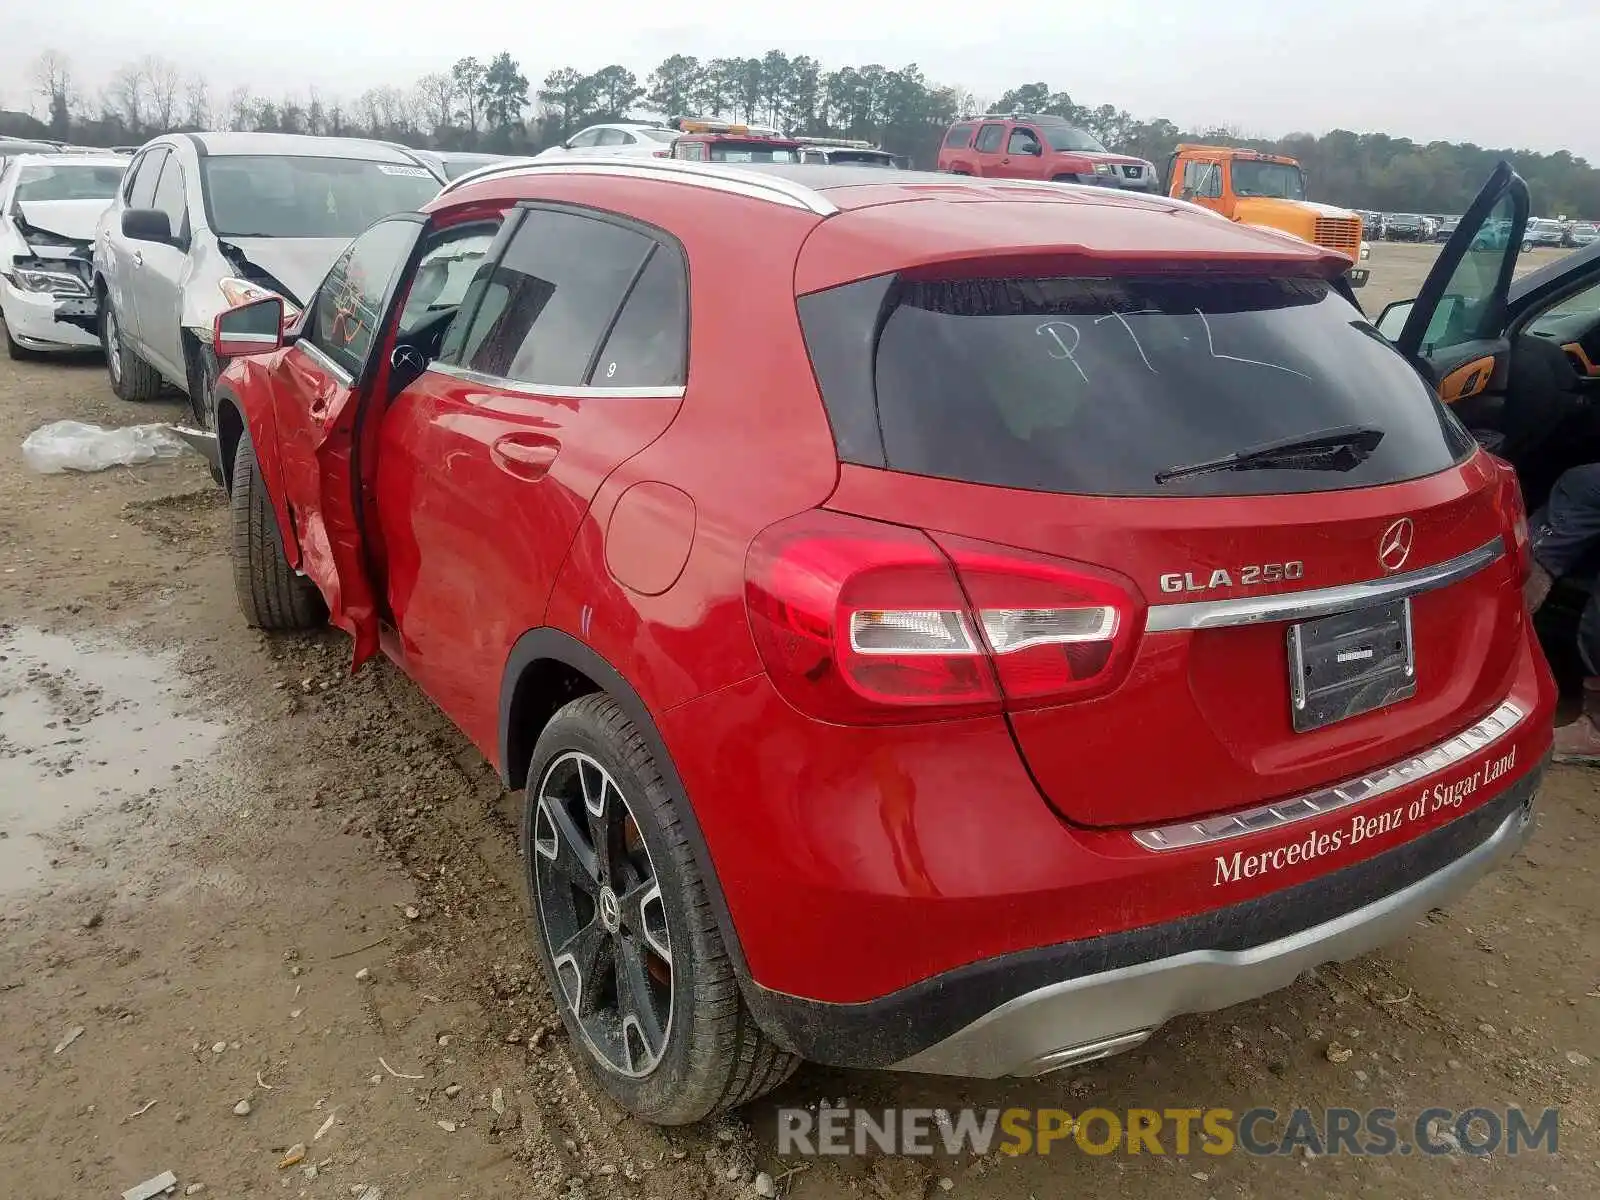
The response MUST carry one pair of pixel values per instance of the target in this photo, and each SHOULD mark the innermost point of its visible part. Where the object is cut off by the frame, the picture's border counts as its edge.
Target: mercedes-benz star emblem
(1394, 547)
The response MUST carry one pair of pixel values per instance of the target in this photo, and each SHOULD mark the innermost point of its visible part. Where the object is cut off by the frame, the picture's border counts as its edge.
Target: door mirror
(1035, 149)
(253, 328)
(1393, 319)
(147, 225)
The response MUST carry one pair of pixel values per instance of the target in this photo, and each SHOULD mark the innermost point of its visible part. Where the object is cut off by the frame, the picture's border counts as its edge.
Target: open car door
(1455, 329)
(339, 360)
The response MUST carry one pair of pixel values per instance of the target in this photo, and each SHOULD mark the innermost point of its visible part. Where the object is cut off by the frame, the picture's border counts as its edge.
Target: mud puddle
(86, 724)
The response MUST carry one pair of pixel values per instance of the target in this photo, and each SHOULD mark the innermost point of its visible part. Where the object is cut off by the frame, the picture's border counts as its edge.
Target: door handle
(525, 455)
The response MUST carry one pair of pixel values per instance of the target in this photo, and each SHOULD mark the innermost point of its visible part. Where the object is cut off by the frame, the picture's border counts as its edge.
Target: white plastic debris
(151, 1187)
(75, 446)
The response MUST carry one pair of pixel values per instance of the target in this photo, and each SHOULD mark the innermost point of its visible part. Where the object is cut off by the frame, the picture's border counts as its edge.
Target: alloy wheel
(602, 915)
(113, 344)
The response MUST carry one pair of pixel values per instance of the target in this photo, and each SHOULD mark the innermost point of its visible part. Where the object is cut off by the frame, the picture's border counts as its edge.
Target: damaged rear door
(328, 371)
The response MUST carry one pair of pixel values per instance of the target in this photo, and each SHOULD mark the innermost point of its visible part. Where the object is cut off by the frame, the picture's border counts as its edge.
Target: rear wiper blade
(1340, 449)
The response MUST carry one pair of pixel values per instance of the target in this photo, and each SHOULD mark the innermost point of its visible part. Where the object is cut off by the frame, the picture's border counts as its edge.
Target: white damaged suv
(205, 221)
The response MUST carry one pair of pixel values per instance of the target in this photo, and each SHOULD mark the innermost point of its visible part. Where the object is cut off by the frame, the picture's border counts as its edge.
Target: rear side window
(646, 346)
(989, 138)
(552, 297)
(1095, 386)
(958, 136)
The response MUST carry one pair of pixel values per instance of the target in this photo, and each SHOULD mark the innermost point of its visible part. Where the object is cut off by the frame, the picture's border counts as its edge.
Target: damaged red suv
(940, 625)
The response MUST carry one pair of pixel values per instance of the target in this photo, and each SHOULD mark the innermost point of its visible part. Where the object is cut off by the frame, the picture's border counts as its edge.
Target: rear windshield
(659, 135)
(1095, 386)
(251, 195)
(757, 152)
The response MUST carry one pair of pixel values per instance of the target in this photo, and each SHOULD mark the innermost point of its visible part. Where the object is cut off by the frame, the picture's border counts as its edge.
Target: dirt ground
(230, 872)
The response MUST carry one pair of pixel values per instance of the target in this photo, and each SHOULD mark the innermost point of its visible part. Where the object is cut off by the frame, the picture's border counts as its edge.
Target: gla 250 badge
(1186, 581)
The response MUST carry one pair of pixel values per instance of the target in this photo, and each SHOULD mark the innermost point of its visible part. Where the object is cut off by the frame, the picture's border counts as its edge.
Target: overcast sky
(1519, 75)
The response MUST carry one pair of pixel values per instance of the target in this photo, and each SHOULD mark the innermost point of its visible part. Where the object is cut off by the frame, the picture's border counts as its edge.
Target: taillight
(661, 154)
(1515, 513)
(860, 622)
(1057, 630)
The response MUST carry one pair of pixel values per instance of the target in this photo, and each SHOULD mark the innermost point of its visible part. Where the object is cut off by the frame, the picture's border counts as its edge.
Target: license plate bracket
(1350, 663)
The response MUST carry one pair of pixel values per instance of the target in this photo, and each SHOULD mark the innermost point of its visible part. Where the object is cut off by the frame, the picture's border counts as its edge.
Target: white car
(622, 139)
(49, 204)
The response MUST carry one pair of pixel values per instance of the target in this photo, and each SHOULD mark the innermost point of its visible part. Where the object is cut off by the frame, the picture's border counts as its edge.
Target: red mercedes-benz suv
(942, 625)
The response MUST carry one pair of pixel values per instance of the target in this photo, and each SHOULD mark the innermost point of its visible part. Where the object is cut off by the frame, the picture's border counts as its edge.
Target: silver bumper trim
(1448, 753)
(1079, 1019)
(1319, 602)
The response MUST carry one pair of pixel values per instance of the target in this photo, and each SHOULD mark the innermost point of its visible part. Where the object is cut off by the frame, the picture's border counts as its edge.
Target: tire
(712, 1055)
(271, 595)
(132, 378)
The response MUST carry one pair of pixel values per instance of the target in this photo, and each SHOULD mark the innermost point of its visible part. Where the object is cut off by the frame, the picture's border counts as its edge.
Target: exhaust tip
(1085, 1052)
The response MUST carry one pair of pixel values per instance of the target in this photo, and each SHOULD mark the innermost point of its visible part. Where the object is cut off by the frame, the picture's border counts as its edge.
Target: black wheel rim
(602, 915)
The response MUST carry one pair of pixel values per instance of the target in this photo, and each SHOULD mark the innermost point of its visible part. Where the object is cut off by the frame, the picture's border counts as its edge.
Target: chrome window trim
(719, 177)
(1186, 835)
(323, 361)
(1320, 602)
(547, 391)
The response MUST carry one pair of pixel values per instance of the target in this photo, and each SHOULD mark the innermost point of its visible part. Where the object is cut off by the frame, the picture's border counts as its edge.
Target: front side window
(1276, 180)
(551, 298)
(1095, 386)
(142, 187)
(169, 197)
(1022, 141)
(1466, 311)
(290, 196)
(349, 305)
(989, 139)
(692, 151)
(1202, 179)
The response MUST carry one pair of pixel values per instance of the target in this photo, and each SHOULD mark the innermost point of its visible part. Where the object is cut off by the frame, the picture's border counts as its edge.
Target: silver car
(205, 221)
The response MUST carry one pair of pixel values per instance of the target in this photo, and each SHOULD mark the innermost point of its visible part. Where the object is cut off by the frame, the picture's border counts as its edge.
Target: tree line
(490, 104)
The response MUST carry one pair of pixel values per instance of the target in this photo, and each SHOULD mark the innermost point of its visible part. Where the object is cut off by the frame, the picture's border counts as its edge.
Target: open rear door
(1455, 328)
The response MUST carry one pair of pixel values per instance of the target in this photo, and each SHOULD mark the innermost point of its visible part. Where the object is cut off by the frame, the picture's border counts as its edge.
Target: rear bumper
(1043, 1009)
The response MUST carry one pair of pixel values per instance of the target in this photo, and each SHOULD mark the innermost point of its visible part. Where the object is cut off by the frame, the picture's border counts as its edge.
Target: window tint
(349, 304)
(1022, 141)
(1466, 312)
(958, 136)
(169, 196)
(989, 138)
(646, 346)
(1094, 386)
(552, 296)
(142, 187)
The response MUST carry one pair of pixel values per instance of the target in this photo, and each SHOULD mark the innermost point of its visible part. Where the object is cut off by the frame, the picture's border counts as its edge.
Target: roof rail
(758, 185)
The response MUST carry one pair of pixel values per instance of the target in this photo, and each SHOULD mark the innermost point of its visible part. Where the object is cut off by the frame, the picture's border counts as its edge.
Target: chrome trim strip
(1479, 737)
(547, 392)
(774, 189)
(1319, 602)
(323, 361)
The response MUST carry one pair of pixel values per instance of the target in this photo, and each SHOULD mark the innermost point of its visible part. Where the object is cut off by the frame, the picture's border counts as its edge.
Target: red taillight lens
(1057, 630)
(1515, 513)
(862, 622)
(661, 154)
(857, 622)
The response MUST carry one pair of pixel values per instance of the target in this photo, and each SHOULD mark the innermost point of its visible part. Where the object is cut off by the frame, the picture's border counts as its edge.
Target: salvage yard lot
(248, 876)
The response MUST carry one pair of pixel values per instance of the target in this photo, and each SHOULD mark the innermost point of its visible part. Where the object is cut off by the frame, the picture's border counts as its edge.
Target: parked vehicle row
(1019, 697)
